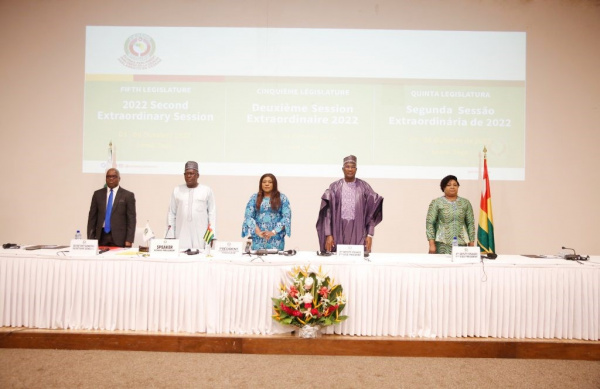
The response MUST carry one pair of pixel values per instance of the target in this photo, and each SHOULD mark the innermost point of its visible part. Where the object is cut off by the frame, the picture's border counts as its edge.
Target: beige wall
(44, 196)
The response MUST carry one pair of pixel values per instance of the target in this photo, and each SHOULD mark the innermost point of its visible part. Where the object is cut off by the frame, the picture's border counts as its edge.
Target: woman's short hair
(446, 180)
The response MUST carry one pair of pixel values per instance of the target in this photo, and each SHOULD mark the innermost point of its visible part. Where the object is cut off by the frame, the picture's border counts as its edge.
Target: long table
(410, 295)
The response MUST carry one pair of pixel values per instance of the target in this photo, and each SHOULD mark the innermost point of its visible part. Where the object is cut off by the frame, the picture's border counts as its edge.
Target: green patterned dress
(447, 219)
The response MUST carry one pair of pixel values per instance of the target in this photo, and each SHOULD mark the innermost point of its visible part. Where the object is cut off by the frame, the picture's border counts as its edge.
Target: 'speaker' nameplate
(83, 248)
(228, 248)
(164, 248)
(350, 250)
(466, 254)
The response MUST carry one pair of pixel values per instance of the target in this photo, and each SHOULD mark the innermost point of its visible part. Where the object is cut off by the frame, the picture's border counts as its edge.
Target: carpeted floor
(26, 368)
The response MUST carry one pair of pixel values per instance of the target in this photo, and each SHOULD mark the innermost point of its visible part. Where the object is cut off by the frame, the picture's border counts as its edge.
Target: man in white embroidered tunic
(191, 210)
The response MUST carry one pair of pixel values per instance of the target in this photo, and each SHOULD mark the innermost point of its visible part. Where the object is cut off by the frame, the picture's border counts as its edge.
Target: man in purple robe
(349, 212)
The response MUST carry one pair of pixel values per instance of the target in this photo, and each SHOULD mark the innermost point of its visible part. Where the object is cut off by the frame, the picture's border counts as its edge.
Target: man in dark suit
(118, 227)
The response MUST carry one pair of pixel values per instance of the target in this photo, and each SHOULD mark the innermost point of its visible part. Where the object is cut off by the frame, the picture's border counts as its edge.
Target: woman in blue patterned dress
(268, 216)
(449, 216)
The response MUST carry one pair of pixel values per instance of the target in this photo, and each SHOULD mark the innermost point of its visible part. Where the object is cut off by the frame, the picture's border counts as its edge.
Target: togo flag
(485, 231)
(209, 235)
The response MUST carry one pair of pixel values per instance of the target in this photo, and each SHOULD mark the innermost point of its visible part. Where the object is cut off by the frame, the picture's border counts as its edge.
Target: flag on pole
(148, 233)
(209, 235)
(114, 155)
(485, 231)
(111, 160)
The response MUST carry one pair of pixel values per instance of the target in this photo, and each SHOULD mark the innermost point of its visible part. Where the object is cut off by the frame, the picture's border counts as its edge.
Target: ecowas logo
(139, 52)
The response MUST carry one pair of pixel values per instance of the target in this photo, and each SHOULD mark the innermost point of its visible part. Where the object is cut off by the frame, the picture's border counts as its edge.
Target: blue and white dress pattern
(267, 219)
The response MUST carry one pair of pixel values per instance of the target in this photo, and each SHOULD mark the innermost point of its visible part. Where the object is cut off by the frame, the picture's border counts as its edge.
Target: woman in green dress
(449, 216)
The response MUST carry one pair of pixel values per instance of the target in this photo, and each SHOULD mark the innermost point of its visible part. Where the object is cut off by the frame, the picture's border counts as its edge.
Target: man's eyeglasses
(112, 176)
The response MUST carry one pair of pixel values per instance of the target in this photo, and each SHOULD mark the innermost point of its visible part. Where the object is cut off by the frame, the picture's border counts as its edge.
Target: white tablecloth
(392, 295)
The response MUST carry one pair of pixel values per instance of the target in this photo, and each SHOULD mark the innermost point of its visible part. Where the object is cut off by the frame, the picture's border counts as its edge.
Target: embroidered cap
(350, 159)
(191, 165)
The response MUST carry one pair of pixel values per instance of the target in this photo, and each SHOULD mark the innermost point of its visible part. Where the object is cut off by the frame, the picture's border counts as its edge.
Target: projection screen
(241, 101)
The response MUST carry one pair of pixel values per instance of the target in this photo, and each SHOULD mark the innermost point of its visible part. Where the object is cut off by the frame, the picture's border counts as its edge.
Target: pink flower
(314, 312)
(324, 292)
(307, 305)
(293, 291)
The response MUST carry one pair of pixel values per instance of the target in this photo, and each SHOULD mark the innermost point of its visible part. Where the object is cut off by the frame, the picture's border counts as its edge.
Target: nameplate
(350, 250)
(466, 254)
(83, 247)
(164, 248)
(228, 248)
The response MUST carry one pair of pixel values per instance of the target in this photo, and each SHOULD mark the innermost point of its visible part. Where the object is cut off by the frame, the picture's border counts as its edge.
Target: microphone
(490, 255)
(324, 253)
(168, 229)
(570, 257)
(287, 253)
(263, 251)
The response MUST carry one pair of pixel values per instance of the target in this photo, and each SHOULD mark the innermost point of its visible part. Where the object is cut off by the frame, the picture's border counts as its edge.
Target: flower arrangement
(311, 299)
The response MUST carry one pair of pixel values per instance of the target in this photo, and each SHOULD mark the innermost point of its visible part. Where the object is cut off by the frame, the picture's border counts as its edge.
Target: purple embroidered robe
(368, 212)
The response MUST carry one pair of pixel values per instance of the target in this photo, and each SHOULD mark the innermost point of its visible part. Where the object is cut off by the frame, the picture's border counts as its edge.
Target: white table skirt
(393, 295)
